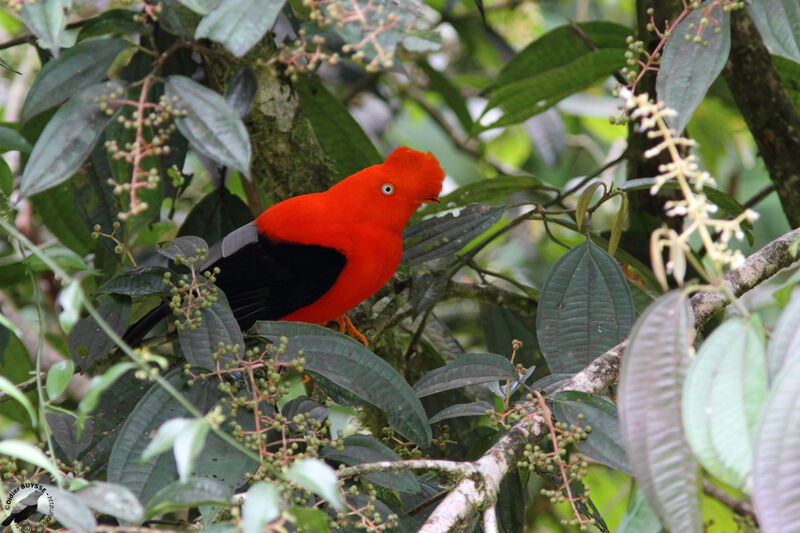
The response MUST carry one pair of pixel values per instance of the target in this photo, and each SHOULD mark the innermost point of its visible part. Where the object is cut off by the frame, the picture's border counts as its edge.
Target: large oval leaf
(722, 398)
(66, 140)
(114, 500)
(70, 511)
(75, 69)
(785, 341)
(585, 308)
(554, 66)
(360, 449)
(47, 20)
(689, 68)
(445, 235)
(651, 380)
(776, 458)
(338, 133)
(776, 21)
(211, 125)
(218, 326)
(239, 24)
(469, 369)
(604, 443)
(353, 367)
(217, 461)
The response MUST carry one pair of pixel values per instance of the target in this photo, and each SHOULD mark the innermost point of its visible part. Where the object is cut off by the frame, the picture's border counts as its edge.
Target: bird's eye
(387, 189)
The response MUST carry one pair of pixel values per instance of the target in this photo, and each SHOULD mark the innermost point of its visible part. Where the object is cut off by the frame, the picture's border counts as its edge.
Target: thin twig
(739, 507)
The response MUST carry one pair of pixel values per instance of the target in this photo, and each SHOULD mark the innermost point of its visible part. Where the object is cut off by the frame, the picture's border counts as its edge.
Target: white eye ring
(387, 189)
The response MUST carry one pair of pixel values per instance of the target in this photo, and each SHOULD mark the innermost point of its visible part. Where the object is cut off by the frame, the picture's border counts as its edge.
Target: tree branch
(479, 492)
(464, 469)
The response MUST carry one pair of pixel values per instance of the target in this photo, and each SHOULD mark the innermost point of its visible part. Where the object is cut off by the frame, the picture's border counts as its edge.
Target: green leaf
(722, 398)
(776, 21)
(185, 436)
(639, 517)
(489, 191)
(426, 289)
(8, 387)
(262, 505)
(6, 178)
(187, 247)
(58, 377)
(554, 66)
(688, 68)
(776, 454)
(112, 499)
(216, 215)
(218, 327)
(469, 369)
(501, 326)
(88, 342)
(354, 368)
(310, 519)
(359, 449)
(240, 91)
(446, 235)
(618, 225)
(317, 477)
(118, 22)
(30, 454)
(449, 91)
(47, 20)
(56, 207)
(274, 330)
(784, 345)
(66, 141)
(338, 133)
(75, 69)
(217, 459)
(136, 283)
(70, 511)
(201, 7)
(239, 24)
(604, 443)
(183, 495)
(585, 308)
(583, 201)
(11, 139)
(211, 125)
(559, 47)
(100, 383)
(478, 408)
(650, 387)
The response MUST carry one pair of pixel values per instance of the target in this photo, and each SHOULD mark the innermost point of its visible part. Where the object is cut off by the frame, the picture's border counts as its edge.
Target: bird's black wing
(262, 279)
(266, 280)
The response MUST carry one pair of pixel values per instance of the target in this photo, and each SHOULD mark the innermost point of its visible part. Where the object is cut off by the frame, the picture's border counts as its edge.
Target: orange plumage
(314, 257)
(360, 218)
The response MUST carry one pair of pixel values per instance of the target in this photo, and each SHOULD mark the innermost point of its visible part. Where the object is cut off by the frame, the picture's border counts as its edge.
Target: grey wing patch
(230, 244)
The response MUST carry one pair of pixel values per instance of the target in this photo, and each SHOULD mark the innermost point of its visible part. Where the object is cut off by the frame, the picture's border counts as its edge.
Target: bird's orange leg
(345, 324)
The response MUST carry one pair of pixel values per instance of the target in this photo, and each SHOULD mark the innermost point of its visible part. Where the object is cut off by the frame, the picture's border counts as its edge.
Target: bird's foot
(347, 327)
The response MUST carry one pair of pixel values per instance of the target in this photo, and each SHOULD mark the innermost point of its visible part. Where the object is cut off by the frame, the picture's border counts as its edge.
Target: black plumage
(262, 279)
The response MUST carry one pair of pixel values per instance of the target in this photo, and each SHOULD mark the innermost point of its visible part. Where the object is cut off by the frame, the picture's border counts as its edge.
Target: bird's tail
(8, 520)
(134, 335)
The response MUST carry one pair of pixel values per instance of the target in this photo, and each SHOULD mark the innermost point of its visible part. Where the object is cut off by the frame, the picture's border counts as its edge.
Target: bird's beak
(431, 200)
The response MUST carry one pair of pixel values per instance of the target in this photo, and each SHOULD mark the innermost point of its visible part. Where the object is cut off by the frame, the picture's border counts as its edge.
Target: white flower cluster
(715, 233)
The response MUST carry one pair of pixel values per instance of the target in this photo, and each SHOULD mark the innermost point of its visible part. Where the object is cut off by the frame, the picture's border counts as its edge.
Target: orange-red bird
(314, 257)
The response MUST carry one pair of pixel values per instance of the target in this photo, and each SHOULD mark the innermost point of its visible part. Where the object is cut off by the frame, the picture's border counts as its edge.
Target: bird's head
(393, 190)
